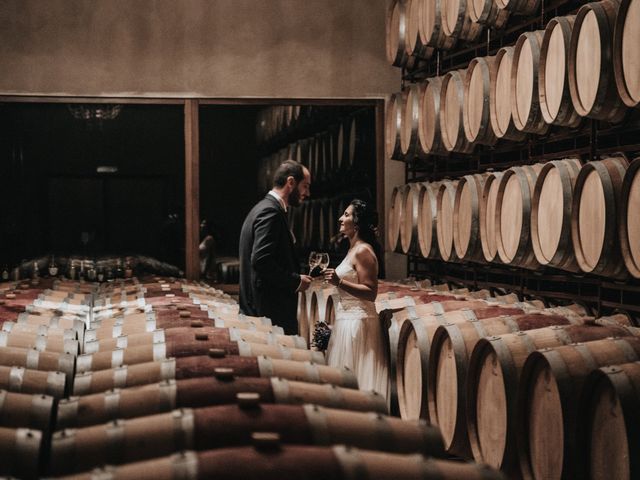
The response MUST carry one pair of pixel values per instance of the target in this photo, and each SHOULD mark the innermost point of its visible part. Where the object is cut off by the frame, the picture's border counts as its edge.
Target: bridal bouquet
(321, 336)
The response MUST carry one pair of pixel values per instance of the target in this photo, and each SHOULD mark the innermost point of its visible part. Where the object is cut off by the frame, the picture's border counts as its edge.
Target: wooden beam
(192, 188)
(380, 190)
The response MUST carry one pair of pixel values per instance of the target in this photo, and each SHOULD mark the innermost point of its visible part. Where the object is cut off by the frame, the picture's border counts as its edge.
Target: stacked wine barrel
(520, 386)
(166, 374)
(564, 214)
(339, 148)
(578, 66)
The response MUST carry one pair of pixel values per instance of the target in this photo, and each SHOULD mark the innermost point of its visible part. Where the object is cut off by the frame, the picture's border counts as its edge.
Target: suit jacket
(269, 274)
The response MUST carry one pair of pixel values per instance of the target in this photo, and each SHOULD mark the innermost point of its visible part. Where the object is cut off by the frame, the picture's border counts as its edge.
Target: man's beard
(294, 198)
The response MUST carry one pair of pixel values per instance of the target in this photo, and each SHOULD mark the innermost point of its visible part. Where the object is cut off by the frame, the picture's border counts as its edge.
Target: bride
(357, 340)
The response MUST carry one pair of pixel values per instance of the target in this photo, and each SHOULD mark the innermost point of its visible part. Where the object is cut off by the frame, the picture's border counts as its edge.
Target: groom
(269, 278)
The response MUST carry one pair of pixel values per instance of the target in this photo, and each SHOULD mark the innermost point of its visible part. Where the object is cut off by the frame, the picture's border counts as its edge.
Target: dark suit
(269, 274)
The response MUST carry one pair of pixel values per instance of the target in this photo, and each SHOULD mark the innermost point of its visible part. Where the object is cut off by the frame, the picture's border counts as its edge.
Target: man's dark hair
(288, 168)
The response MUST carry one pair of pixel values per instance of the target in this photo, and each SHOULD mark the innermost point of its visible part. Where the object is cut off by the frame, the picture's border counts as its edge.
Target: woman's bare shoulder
(364, 251)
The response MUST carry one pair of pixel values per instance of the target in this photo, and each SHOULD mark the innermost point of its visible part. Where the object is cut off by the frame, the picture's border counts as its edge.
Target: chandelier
(94, 113)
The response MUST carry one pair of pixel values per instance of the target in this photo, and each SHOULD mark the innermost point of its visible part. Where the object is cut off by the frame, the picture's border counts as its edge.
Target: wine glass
(323, 262)
(313, 261)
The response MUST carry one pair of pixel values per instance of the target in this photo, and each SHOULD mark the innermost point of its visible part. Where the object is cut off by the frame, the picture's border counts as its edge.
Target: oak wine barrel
(551, 214)
(525, 102)
(476, 113)
(609, 410)
(487, 217)
(500, 102)
(494, 371)
(513, 214)
(26, 411)
(449, 360)
(409, 219)
(414, 45)
(519, 7)
(271, 461)
(487, 13)
(553, 79)
(466, 217)
(552, 382)
(232, 425)
(396, 33)
(124, 341)
(429, 122)
(427, 219)
(414, 346)
(35, 360)
(430, 28)
(395, 218)
(161, 397)
(444, 227)
(452, 108)
(626, 57)
(594, 222)
(591, 71)
(629, 227)
(409, 135)
(25, 380)
(393, 125)
(218, 363)
(457, 23)
(20, 451)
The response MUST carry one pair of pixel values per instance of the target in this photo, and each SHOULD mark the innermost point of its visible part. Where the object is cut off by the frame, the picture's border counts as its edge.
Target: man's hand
(305, 283)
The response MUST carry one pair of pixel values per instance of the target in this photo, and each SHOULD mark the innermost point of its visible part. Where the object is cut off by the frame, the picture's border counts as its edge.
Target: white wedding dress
(357, 340)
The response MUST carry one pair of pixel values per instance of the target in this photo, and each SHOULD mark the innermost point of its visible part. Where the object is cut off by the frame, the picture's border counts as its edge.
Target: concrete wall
(216, 48)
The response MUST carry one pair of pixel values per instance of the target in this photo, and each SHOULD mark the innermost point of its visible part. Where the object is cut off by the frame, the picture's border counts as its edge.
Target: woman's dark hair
(365, 218)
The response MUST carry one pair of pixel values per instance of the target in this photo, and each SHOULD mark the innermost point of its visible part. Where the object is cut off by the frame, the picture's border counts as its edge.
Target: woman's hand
(331, 276)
